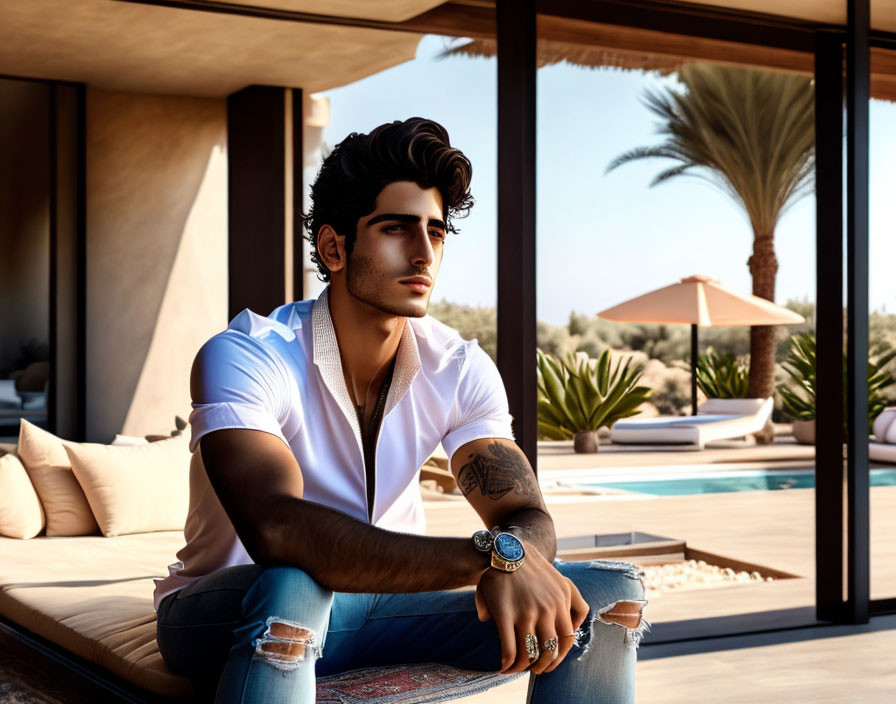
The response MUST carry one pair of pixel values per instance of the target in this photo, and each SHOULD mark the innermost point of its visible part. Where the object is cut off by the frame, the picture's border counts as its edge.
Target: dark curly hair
(360, 166)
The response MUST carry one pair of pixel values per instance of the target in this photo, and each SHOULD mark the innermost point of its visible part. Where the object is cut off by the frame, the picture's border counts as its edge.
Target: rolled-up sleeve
(238, 383)
(481, 409)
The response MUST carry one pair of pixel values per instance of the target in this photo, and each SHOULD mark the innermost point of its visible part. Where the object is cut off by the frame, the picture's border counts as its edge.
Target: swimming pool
(677, 484)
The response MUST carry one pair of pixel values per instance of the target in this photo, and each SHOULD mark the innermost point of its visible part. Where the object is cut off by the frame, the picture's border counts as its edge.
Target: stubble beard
(366, 283)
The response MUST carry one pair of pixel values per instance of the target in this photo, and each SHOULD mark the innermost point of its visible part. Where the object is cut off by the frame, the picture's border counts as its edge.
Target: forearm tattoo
(503, 470)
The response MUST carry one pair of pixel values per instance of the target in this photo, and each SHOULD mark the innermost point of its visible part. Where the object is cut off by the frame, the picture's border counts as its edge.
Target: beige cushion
(136, 488)
(21, 515)
(93, 597)
(50, 470)
(128, 440)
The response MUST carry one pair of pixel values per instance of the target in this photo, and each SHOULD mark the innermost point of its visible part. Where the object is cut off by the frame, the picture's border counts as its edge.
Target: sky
(601, 238)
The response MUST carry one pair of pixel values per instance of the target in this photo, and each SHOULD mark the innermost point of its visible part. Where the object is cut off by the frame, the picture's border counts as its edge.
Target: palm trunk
(763, 267)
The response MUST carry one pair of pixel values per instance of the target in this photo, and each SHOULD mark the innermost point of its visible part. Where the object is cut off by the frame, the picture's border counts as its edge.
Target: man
(305, 554)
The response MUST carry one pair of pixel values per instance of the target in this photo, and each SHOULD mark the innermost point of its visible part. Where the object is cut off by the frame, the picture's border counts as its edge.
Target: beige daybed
(85, 529)
(92, 596)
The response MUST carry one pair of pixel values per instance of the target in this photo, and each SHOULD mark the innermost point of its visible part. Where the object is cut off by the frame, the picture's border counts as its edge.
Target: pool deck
(770, 528)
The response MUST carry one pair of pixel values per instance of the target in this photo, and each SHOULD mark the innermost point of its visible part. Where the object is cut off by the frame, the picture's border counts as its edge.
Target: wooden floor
(826, 665)
(775, 529)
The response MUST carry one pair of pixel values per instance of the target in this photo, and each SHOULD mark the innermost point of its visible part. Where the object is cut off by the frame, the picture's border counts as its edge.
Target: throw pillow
(128, 440)
(50, 471)
(135, 488)
(21, 515)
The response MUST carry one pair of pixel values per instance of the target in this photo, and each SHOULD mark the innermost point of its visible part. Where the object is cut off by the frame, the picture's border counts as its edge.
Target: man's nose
(423, 253)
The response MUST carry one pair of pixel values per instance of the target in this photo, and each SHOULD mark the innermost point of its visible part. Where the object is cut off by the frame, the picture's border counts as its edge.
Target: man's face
(397, 253)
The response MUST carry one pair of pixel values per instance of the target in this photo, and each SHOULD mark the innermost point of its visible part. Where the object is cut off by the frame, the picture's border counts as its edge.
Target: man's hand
(535, 599)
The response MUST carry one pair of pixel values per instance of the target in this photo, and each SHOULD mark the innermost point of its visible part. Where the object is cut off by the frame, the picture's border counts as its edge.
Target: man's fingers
(508, 641)
(564, 643)
(547, 636)
(565, 640)
(578, 607)
(522, 656)
(481, 609)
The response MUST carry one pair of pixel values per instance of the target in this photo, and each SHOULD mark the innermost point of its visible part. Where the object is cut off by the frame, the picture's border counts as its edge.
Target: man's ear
(331, 248)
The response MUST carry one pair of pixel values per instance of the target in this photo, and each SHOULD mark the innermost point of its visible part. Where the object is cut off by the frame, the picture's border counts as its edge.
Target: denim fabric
(208, 631)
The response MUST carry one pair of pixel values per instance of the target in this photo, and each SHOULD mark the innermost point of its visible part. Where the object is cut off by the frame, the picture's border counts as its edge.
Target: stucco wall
(156, 254)
(24, 217)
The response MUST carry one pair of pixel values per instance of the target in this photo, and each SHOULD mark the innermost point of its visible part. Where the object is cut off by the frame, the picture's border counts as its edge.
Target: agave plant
(798, 400)
(577, 392)
(722, 376)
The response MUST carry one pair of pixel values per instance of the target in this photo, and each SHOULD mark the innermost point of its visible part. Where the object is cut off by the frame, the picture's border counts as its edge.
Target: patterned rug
(407, 684)
(27, 677)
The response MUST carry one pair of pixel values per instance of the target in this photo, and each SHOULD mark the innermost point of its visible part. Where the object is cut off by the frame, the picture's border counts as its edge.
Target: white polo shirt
(282, 374)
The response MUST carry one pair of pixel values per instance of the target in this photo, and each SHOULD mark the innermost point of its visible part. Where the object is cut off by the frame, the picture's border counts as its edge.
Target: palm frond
(748, 132)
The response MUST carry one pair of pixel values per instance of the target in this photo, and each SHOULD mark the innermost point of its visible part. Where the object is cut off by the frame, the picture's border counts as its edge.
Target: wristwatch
(508, 554)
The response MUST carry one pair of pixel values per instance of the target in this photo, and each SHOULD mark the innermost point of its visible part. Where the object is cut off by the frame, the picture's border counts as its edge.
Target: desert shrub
(671, 386)
(554, 339)
(471, 322)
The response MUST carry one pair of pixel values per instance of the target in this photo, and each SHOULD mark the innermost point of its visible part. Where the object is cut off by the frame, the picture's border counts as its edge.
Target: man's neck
(368, 341)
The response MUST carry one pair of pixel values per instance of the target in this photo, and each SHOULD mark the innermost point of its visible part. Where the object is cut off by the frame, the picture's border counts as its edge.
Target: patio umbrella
(700, 300)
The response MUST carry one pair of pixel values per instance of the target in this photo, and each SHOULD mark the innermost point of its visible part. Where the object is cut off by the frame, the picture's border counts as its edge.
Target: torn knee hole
(282, 649)
(288, 631)
(623, 613)
(285, 644)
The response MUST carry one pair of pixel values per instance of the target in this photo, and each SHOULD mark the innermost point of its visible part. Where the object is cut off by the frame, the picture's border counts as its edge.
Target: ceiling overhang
(157, 49)
(215, 47)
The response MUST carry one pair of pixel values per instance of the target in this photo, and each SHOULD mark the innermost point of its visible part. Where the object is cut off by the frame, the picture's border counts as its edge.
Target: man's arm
(499, 483)
(497, 480)
(259, 484)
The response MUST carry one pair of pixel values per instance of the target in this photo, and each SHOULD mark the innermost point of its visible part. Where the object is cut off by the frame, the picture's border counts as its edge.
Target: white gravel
(694, 574)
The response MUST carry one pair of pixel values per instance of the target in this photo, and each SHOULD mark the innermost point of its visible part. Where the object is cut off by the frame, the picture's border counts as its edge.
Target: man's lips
(421, 284)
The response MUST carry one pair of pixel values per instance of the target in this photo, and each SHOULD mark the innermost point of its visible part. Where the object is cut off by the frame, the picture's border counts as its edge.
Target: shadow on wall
(156, 254)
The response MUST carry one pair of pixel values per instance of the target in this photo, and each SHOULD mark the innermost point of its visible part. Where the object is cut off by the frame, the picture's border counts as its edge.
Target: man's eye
(437, 233)
(393, 228)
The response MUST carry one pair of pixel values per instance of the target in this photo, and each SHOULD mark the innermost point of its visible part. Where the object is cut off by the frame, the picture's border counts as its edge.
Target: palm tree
(752, 134)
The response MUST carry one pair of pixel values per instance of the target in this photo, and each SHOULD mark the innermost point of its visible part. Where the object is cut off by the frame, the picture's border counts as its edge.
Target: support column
(858, 515)
(66, 397)
(264, 198)
(829, 419)
(516, 216)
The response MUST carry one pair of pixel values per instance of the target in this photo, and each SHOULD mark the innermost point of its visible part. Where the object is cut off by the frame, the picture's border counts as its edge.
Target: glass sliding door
(723, 529)
(24, 253)
(882, 338)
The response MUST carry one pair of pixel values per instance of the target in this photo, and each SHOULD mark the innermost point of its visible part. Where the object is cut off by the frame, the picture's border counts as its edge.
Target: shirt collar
(329, 362)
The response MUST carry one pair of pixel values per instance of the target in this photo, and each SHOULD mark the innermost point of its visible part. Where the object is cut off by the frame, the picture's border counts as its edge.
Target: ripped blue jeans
(263, 634)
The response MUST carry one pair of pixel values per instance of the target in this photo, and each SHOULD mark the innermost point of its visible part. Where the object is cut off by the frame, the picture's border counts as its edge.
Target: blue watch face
(509, 547)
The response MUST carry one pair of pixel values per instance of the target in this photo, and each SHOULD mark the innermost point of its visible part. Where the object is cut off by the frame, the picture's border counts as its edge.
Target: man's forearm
(346, 555)
(534, 526)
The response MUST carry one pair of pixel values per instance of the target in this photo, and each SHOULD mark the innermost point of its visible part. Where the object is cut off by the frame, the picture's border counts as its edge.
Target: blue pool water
(724, 482)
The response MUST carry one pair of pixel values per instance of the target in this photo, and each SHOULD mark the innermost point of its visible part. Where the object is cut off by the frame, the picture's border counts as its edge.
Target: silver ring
(532, 646)
(550, 644)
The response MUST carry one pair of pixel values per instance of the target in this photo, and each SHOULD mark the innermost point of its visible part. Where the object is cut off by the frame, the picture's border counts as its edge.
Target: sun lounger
(882, 452)
(882, 447)
(716, 419)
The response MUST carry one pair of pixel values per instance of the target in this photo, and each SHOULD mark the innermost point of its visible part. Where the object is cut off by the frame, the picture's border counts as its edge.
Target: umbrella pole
(693, 369)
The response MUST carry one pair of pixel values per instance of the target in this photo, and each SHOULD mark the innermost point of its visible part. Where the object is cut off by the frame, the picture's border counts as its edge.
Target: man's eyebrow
(405, 217)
